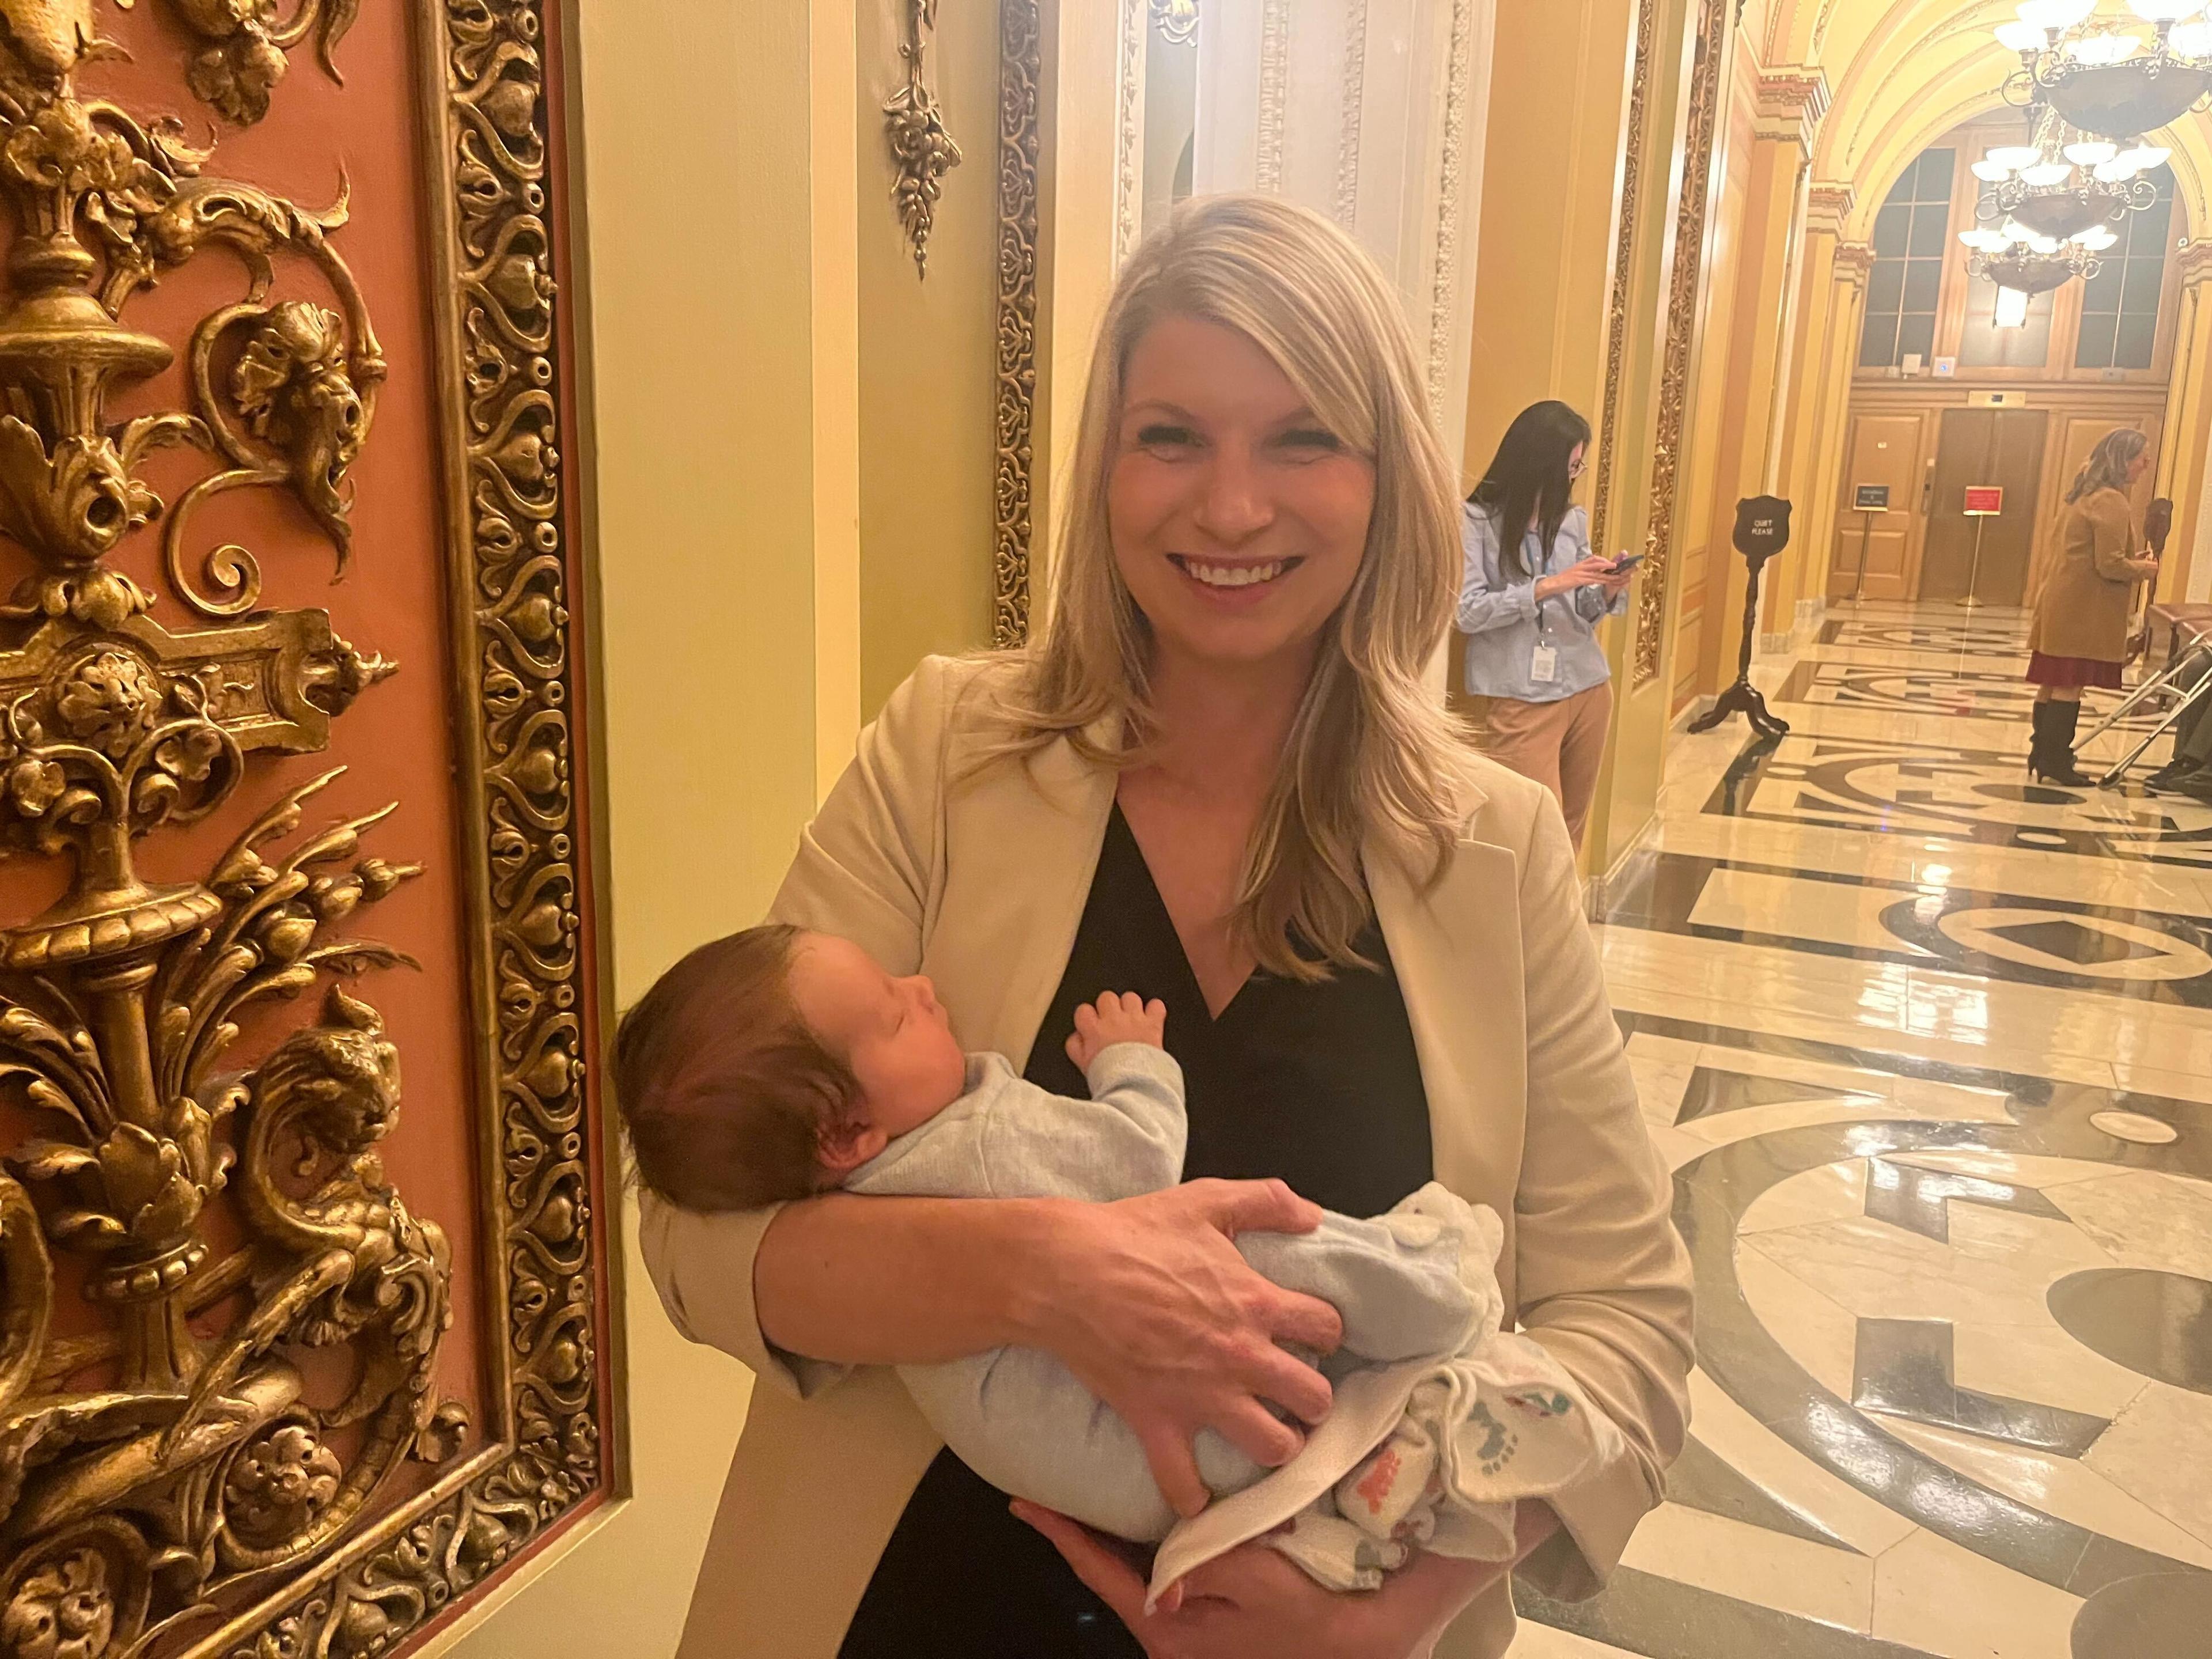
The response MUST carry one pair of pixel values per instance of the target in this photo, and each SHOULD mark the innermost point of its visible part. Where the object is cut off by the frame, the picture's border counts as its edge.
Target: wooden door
(304, 1329)
(1883, 452)
(1978, 447)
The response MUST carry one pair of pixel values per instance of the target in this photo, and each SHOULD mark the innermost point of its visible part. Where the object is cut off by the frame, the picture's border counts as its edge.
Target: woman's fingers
(1265, 1439)
(1307, 1320)
(1168, 1452)
(1298, 1388)
(1255, 1206)
(1113, 1580)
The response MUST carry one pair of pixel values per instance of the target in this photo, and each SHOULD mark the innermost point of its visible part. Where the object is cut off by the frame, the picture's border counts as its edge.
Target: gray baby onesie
(1018, 1416)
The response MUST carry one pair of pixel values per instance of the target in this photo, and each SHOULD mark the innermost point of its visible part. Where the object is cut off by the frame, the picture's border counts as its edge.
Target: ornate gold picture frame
(260, 1396)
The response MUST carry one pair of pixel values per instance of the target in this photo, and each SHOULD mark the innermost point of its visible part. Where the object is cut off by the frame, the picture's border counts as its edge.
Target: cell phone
(1626, 562)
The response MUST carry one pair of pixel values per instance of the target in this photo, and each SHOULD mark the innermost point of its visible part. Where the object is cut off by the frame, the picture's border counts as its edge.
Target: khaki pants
(1560, 745)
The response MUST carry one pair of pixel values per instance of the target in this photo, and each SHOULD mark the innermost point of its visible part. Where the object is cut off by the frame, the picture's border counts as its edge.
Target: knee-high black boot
(2052, 759)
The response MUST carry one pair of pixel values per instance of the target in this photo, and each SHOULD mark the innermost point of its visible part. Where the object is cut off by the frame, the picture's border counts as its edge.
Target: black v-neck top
(1317, 1084)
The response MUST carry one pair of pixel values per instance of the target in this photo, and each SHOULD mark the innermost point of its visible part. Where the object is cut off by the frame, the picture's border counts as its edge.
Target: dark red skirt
(2068, 672)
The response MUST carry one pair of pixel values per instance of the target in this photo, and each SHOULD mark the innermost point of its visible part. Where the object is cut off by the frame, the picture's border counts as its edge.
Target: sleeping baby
(777, 1064)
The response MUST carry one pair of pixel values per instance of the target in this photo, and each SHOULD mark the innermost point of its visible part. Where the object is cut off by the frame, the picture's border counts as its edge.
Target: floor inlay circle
(2033, 794)
(2088, 946)
(2163, 1612)
(2157, 1324)
(2135, 1128)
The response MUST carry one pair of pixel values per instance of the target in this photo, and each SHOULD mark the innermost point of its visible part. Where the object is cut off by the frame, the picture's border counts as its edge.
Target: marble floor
(1931, 1052)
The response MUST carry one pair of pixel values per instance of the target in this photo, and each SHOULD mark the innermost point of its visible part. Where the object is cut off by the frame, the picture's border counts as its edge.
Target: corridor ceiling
(1902, 73)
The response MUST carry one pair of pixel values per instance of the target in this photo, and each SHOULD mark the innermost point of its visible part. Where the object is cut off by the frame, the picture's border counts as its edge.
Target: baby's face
(891, 1032)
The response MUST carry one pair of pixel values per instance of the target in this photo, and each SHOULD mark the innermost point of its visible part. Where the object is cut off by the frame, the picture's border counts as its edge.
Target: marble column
(1853, 264)
(2183, 468)
(1808, 403)
(1764, 347)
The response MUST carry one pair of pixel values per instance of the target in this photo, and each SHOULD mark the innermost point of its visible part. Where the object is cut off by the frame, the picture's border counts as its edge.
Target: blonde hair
(2108, 463)
(1372, 752)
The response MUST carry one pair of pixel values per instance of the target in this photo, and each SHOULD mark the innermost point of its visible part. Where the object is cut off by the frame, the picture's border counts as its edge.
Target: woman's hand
(1254, 1603)
(1149, 1303)
(1592, 570)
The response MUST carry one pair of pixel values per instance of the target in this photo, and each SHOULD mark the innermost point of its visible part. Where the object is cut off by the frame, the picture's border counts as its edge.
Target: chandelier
(2016, 259)
(2062, 183)
(2101, 73)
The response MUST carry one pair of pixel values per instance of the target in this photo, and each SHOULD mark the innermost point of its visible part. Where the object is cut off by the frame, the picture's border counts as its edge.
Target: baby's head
(770, 1065)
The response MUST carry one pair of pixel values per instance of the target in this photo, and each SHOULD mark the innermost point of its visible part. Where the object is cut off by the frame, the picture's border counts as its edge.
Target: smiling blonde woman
(1216, 779)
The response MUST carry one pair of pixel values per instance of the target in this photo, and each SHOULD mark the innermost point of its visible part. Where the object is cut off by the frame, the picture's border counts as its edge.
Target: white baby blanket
(1430, 1455)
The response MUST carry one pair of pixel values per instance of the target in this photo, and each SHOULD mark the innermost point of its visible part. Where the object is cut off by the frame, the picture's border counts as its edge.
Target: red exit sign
(1984, 501)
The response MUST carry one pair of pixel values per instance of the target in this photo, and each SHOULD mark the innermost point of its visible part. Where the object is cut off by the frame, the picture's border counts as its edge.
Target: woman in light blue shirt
(1530, 604)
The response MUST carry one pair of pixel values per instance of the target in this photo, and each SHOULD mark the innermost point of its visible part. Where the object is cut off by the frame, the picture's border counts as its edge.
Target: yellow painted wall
(1551, 188)
(925, 348)
(1629, 792)
(1551, 159)
(726, 497)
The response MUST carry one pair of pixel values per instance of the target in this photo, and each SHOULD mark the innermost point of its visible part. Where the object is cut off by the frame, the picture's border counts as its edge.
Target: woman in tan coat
(1218, 777)
(2079, 635)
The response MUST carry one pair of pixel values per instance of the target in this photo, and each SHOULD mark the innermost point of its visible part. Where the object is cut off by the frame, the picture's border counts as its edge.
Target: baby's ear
(844, 1146)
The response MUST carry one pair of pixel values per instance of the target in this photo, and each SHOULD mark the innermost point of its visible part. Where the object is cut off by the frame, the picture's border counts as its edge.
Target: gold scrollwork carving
(1700, 123)
(246, 47)
(170, 1482)
(922, 150)
(69, 489)
(1021, 78)
(1621, 286)
(149, 1473)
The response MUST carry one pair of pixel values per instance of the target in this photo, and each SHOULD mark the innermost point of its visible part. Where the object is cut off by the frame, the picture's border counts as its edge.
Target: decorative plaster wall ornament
(1129, 127)
(1177, 19)
(922, 151)
(1274, 92)
(1444, 279)
(1354, 96)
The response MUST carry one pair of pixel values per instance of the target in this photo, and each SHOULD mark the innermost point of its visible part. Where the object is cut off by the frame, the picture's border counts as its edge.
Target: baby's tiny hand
(1116, 1017)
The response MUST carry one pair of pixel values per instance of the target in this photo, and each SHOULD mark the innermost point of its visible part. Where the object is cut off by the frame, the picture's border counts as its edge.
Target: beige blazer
(2087, 597)
(979, 877)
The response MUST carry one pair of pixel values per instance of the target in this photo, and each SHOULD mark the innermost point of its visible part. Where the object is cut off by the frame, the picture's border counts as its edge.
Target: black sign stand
(1873, 500)
(1762, 530)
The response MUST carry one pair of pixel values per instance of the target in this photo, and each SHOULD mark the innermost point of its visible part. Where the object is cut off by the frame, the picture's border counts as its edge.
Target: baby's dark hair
(726, 1093)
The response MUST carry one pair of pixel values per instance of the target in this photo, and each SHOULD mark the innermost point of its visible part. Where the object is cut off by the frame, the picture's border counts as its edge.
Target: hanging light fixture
(2102, 74)
(2062, 182)
(2023, 261)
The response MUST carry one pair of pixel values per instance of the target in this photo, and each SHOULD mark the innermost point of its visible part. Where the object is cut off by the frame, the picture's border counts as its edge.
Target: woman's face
(1238, 520)
(2140, 466)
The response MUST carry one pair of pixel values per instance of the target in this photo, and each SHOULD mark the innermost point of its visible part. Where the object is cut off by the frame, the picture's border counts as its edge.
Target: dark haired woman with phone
(1529, 603)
